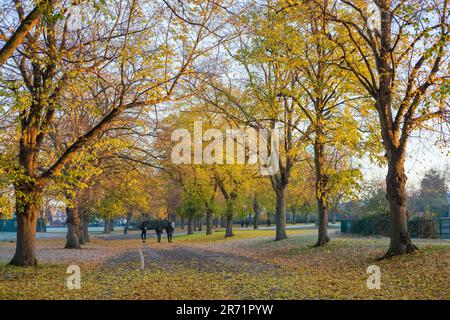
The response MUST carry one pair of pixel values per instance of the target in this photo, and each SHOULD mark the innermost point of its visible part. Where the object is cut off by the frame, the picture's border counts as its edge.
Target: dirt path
(201, 258)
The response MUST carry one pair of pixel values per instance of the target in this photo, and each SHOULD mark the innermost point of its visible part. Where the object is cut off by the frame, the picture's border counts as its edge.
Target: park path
(126, 249)
(153, 256)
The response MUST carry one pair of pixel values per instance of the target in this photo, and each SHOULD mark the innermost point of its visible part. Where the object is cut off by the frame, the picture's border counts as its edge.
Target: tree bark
(85, 229)
(229, 226)
(308, 217)
(182, 223)
(209, 221)
(73, 226)
(229, 220)
(321, 189)
(27, 214)
(127, 225)
(81, 230)
(280, 214)
(190, 226)
(257, 212)
(19, 35)
(293, 216)
(199, 224)
(400, 242)
(323, 238)
(106, 226)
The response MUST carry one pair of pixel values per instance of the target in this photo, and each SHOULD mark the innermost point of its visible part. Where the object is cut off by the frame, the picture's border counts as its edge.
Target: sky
(422, 155)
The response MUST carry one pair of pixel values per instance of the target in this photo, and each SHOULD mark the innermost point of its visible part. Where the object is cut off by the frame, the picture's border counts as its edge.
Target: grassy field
(249, 266)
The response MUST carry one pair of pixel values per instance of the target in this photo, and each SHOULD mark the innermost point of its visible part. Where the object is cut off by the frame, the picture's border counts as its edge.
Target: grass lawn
(249, 266)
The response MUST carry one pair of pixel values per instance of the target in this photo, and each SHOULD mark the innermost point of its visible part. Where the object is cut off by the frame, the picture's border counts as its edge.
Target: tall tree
(397, 50)
(262, 55)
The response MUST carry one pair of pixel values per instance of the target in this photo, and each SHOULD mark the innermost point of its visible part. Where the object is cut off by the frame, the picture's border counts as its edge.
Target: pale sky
(422, 155)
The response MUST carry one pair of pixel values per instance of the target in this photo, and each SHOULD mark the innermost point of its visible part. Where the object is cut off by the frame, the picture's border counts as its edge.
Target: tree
(433, 194)
(317, 93)
(373, 201)
(207, 191)
(301, 192)
(122, 52)
(262, 56)
(190, 206)
(397, 50)
(433, 182)
(231, 181)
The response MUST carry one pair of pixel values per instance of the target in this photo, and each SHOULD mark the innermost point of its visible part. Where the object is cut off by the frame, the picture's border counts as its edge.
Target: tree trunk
(73, 226)
(293, 216)
(81, 230)
(190, 226)
(85, 229)
(396, 194)
(323, 238)
(280, 214)
(256, 221)
(111, 225)
(127, 225)
(308, 217)
(199, 224)
(321, 189)
(106, 226)
(256, 211)
(182, 223)
(222, 221)
(209, 221)
(229, 226)
(27, 214)
(333, 217)
(229, 219)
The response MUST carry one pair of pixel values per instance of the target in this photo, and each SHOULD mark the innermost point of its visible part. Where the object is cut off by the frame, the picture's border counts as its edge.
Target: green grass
(264, 269)
(238, 235)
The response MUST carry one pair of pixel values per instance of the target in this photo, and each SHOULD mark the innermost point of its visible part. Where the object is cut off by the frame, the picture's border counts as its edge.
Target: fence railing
(10, 225)
(436, 228)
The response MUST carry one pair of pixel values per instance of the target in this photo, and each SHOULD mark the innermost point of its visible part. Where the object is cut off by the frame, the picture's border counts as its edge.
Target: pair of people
(169, 230)
(159, 230)
(246, 222)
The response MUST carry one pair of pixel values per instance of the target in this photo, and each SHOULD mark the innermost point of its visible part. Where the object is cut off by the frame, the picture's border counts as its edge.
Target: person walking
(159, 231)
(143, 231)
(169, 231)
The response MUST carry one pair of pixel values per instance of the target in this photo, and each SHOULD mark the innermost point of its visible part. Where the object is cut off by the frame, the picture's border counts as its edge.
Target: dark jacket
(169, 228)
(158, 229)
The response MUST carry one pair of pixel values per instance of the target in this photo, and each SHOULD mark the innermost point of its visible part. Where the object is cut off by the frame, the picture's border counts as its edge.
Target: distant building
(55, 213)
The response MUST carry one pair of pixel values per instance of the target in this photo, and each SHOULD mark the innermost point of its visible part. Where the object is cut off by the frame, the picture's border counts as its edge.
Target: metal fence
(436, 228)
(10, 225)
